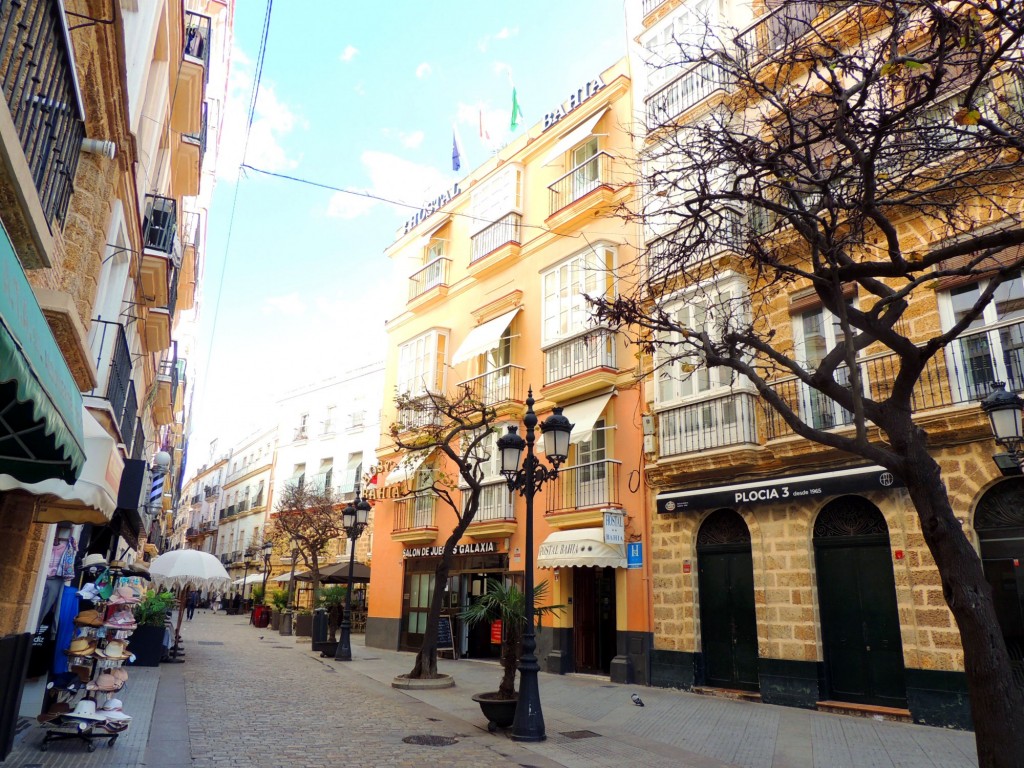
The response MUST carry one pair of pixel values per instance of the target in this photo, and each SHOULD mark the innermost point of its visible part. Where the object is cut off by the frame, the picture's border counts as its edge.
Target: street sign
(635, 554)
(614, 528)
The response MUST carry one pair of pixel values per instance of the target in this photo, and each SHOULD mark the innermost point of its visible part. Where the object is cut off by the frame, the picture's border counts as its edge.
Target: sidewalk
(250, 697)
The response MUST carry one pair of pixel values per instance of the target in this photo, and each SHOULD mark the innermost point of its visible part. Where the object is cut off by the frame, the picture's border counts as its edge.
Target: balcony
(430, 283)
(159, 227)
(37, 73)
(188, 160)
(166, 391)
(580, 365)
(783, 26)
(581, 493)
(496, 245)
(210, 491)
(419, 416)
(650, 6)
(191, 232)
(583, 193)
(502, 385)
(415, 519)
(257, 502)
(682, 93)
(189, 91)
(495, 515)
(138, 447)
(115, 390)
(705, 425)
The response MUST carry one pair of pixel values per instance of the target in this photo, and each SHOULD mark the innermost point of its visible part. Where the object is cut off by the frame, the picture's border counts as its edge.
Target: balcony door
(433, 274)
(592, 469)
(818, 332)
(497, 368)
(585, 176)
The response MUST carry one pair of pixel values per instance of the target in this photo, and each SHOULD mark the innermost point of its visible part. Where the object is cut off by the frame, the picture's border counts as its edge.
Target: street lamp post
(245, 575)
(1005, 410)
(268, 547)
(556, 429)
(354, 518)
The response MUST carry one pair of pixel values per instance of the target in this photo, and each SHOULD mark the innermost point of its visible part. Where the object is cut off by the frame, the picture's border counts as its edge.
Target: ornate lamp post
(268, 548)
(1004, 411)
(354, 519)
(529, 721)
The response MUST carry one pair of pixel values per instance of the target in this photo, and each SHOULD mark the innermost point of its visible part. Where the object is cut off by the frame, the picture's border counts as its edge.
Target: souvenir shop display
(84, 703)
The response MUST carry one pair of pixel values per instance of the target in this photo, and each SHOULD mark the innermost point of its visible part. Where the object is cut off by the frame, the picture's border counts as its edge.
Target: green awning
(40, 405)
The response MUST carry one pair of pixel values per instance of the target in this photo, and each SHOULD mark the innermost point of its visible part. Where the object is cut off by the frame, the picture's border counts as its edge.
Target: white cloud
(349, 53)
(502, 34)
(273, 121)
(392, 178)
(423, 70)
(411, 140)
(288, 304)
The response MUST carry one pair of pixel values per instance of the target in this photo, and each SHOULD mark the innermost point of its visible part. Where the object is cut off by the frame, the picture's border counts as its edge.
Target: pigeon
(636, 700)
(261, 637)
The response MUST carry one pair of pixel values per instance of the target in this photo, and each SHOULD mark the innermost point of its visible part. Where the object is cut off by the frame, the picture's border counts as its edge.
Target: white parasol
(189, 568)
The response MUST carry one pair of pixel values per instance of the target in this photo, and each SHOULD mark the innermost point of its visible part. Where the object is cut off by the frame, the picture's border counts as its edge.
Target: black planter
(499, 712)
(147, 643)
(303, 625)
(326, 648)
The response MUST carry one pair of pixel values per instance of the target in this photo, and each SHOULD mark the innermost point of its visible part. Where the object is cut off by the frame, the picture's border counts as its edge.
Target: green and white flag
(516, 111)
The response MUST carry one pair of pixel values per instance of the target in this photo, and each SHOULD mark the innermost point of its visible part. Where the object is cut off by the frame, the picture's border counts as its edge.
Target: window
(324, 477)
(329, 419)
(422, 362)
(816, 333)
(299, 476)
(353, 472)
(495, 196)
(592, 471)
(420, 588)
(300, 432)
(433, 260)
(565, 309)
(992, 347)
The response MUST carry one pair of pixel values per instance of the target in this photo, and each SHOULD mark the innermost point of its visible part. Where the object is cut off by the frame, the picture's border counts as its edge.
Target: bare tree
(307, 519)
(462, 428)
(869, 154)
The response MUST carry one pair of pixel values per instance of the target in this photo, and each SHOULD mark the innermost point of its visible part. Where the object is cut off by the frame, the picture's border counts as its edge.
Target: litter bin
(261, 616)
(319, 634)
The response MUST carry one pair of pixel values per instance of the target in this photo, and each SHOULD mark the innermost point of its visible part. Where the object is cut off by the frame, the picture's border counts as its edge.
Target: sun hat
(123, 619)
(85, 710)
(89, 619)
(105, 682)
(124, 596)
(82, 646)
(114, 649)
(112, 710)
(94, 560)
(120, 673)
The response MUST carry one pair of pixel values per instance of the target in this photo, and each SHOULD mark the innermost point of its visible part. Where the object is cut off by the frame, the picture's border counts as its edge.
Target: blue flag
(456, 156)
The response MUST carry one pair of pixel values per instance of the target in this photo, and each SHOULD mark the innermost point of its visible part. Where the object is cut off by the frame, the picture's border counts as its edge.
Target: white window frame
(816, 409)
(419, 368)
(495, 197)
(565, 313)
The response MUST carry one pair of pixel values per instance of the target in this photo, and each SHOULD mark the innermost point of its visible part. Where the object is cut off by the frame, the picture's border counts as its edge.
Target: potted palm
(332, 600)
(147, 641)
(505, 603)
(279, 602)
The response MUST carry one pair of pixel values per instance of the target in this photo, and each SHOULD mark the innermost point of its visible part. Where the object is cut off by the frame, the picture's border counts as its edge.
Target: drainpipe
(100, 147)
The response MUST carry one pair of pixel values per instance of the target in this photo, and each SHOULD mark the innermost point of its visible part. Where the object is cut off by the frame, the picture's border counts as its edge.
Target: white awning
(573, 137)
(283, 577)
(93, 497)
(483, 338)
(584, 415)
(580, 548)
(252, 578)
(407, 468)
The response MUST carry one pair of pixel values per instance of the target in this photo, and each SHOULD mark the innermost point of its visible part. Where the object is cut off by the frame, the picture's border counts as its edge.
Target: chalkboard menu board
(445, 641)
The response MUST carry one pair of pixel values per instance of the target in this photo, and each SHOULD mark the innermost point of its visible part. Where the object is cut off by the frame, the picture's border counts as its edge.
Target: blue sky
(358, 96)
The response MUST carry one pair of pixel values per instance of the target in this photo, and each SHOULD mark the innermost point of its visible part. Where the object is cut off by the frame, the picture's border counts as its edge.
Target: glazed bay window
(992, 347)
(817, 332)
(571, 344)
(496, 211)
(422, 362)
(434, 271)
(701, 407)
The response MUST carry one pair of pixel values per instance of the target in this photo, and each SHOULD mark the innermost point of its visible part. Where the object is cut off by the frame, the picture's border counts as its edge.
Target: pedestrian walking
(190, 604)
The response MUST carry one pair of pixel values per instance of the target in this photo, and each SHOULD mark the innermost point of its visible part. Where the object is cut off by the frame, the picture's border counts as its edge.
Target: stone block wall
(21, 561)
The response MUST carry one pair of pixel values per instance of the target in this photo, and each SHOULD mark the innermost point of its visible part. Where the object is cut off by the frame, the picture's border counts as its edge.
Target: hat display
(123, 619)
(82, 646)
(56, 710)
(125, 596)
(89, 592)
(84, 671)
(89, 619)
(112, 710)
(85, 710)
(115, 650)
(120, 673)
(105, 682)
(94, 561)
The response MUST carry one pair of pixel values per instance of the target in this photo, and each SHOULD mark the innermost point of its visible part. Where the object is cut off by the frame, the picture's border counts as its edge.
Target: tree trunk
(997, 704)
(510, 650)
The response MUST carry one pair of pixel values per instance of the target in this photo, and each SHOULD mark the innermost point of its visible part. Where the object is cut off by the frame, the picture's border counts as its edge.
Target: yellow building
(497, 267)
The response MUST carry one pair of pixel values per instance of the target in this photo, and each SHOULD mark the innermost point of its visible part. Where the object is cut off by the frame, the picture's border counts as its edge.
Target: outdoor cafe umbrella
(338, 574)
(182, 569)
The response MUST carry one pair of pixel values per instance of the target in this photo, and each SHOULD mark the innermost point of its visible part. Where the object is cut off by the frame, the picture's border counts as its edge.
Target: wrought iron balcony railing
(138, 446)
(584, 486)
(160, 223)
(415, 512)
(683, 92)
(169, 371)
(507, 229)
(713, 423)
(495, 503)
(501, 385)
(649, 6)
(580, 181)
(37, 73)
(432, 275)
(197, 39)
(114, 368)
(198, 139)
(580, 354)
(783, 26)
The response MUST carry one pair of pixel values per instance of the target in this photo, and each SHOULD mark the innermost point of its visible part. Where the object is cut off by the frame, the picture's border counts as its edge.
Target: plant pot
(275, 620)
(499, 712)
(326, 648)
(304, 625)
(147, 643)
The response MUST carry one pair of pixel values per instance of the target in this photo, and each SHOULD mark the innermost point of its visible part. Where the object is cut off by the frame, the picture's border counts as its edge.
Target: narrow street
(254, 698)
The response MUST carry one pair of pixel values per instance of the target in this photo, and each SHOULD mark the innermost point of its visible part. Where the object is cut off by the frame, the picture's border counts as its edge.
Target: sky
(362, 97)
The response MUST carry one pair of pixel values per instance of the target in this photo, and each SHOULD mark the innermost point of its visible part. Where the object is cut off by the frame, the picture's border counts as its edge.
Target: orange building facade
(497, 267)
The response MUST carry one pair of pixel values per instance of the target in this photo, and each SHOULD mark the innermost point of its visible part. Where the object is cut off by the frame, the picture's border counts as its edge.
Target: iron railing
(160, 223)
(507, 229)
(498, 386)
(580, 181)
(113, 364)
(783, 26)
(713, 423)
(197, 40)
(37, 73)
(682, 92)
(495, 503)
(414, 512)
(210, 491)
(172, 294)
(257, 502)
(595, 484)
(198, 139)
(129, 416)
(169, 370)
(580, 354)
(649, 6)
(432, 275)
(139, 441)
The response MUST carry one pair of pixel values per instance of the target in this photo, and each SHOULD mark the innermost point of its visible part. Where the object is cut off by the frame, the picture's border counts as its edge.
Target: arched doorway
(999, 522)
(728, 623)
(860, 623)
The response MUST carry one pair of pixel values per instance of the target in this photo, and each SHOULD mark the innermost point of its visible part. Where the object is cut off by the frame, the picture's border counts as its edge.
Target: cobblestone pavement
(254, 698)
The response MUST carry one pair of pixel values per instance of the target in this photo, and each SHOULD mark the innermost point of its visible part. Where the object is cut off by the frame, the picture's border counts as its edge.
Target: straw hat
(94, 560)
(114, 649)
(82, 646)
(105, 682)
(89, 619)
(85, 710)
